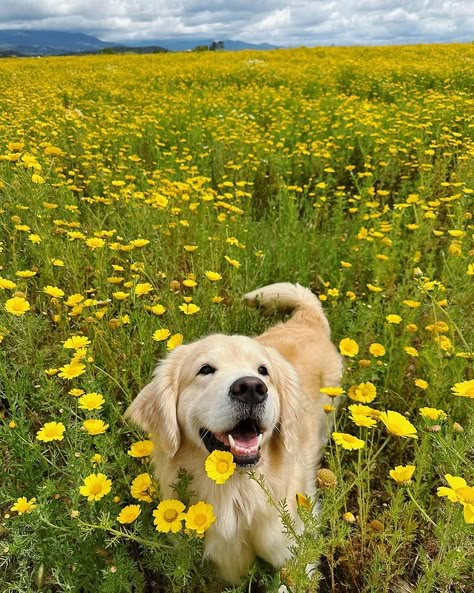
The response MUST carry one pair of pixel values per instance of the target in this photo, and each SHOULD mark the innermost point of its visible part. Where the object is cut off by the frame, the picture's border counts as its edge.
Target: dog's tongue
(242, 444)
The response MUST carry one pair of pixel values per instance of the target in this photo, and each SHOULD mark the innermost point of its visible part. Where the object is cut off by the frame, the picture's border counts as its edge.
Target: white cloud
(309, 22)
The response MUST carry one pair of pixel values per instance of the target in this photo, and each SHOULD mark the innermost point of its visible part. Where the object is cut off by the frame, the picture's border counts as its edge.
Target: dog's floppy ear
(289, 389)
(154, 408)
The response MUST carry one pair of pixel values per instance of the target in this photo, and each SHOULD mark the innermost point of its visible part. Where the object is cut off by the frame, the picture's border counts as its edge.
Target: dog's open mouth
(243, 441)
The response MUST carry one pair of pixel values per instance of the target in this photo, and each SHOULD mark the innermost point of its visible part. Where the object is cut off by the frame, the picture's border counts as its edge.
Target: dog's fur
(181, 407)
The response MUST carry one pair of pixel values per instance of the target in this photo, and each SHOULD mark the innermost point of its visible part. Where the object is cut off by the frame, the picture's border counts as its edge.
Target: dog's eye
(206, 369)
(263, 370)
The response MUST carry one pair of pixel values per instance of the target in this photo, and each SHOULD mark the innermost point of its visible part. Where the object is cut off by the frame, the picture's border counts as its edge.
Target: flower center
(170, 515)
(200, 519)
(95, 488)
(222, 467)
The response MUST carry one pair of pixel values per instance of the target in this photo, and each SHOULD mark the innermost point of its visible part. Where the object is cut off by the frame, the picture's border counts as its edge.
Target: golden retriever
(258, 398)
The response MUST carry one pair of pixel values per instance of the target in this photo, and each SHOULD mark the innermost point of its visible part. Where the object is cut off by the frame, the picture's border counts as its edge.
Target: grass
(347, 170)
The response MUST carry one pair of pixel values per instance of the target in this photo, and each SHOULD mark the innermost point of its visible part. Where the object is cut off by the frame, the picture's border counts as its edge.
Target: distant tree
(200, 48)
(216, 46)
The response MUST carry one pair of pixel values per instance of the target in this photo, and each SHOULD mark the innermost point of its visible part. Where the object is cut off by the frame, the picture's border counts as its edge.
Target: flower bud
(326, 479)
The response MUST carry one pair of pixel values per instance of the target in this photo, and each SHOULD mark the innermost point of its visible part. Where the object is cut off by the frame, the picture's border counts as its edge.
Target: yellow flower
(74, 299)
(364, 392)
(95, 243)
(412, 304)
(169, 516)
(144, 288)
(53, 291)
(363, 420)
(464, 389)
(213, 276)
(91, 401)
(25, 274)
(139, 242)
(398, 425)
(347, 441)
(377, 349)
(174, 341)
(190, 248)
(51, 431)
(95, 486)
(17, 306)
(157, 309)
(402, 473)
(373, 288)
(348, 347)
(220, 466)
(349, 517)
(411, 351)
(129, 513)
(76, 392)
(161, 334)
(392, 318)
(76, 342)
(433, 414)
(189, 308)
(120, 295)
(466, 498)
(328, 409)
(440, 327)
(189, 283)
(140, 449)
(200, 517)
(7, 284)
(94, 426)
(233, 262)
(360, 409)
(303, 501)
(22, 505)
(459, 492)
(421, 383)
(142, 488)
(332, 391)
(72, 370)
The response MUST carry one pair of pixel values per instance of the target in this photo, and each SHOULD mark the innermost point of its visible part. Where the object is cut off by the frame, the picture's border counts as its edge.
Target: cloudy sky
(281, 22)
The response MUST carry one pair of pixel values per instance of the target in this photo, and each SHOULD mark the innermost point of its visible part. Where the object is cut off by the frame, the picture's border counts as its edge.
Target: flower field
(140, 198)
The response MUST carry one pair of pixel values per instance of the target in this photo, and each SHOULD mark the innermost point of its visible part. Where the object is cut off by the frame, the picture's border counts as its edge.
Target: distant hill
(42, 43)
(19, 42)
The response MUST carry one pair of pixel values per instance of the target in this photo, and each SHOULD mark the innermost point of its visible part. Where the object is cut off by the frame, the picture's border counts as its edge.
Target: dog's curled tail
(294, 297)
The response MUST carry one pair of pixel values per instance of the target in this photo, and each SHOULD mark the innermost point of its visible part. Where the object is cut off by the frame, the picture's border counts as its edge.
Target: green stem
(122, 534)
(422, 511)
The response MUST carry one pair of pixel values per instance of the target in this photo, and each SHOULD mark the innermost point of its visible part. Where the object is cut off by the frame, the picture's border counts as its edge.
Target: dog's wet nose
(249, 390)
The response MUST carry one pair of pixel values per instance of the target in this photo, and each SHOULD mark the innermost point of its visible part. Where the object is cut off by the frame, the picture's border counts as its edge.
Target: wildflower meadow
(140, 198)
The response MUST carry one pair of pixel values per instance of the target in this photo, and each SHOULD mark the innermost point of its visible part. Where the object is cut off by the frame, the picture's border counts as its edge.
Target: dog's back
(304, 340)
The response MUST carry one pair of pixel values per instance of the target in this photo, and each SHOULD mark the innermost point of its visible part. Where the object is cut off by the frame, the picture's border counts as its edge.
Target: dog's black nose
(249, 390)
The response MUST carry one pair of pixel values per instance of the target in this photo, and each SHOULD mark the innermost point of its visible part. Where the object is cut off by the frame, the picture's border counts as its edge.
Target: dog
(258, 398)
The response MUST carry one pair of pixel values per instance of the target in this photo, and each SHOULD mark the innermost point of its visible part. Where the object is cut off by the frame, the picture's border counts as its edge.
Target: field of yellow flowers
(141, 196)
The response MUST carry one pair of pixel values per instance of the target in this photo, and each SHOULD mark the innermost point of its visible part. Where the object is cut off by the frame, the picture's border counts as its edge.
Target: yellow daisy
(169, 516)
(220, 466)
(200, 517)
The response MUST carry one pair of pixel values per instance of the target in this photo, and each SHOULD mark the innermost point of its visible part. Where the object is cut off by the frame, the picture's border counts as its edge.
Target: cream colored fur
(178, 402)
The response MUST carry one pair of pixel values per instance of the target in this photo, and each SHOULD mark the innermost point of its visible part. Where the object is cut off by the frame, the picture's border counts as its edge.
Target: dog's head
(222, 392)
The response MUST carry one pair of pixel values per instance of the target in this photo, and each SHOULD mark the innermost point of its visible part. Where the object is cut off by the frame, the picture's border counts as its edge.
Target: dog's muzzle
(244, 439)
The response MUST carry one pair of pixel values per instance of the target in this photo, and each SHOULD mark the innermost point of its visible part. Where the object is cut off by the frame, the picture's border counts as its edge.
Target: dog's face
(223, 392)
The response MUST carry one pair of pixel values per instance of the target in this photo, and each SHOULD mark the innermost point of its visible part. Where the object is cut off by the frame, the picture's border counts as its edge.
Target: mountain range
(20, 42)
